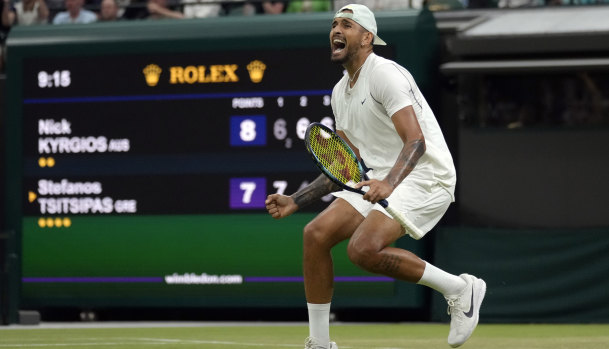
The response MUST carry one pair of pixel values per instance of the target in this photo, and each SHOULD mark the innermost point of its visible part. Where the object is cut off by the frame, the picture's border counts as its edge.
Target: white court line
(159, 341)
(80, 345)
(148, 324)
(198, 341)
(164, 341)
(145, 341)
(155, 324)
(141, 341)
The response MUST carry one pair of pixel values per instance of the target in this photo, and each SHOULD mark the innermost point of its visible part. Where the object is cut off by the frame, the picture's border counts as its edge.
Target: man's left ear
(371, 36)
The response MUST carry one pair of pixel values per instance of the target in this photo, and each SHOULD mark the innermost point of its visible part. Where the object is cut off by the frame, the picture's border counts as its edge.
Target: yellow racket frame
(333, 155)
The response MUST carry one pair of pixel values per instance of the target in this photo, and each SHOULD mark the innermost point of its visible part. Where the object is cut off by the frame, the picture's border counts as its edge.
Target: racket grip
(410, 228)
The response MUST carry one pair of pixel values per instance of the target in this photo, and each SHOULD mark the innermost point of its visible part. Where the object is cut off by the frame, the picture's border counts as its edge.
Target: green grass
(354, 336)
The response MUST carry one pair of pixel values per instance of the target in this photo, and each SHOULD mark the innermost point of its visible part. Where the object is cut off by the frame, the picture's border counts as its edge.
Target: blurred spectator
(242, 8)
(136, 10)
(75, 13)
(108, 11)
(274, 7)
(30, 12)
(375, 5)
(122, 5)
(151, 9)
(309, 6)
(481, 3)
(8, 19)
(519, 3)
(55, 6)
(158, 9)
(198, 8)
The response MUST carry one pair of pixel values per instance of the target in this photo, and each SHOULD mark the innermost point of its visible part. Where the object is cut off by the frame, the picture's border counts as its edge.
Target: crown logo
(152, 72)
(256, 69)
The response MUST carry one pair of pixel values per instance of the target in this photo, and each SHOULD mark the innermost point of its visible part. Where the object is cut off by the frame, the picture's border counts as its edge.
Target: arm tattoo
(407, 160)
(321, 186)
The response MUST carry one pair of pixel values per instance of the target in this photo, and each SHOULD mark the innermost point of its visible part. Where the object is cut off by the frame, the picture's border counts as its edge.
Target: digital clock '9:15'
(58, 78)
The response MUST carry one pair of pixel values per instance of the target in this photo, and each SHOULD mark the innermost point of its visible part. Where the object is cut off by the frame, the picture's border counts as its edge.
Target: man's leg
(369, 248)
(335, 224)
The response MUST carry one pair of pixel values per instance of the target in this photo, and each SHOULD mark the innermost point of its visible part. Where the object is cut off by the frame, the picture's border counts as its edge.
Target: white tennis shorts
(422, 204)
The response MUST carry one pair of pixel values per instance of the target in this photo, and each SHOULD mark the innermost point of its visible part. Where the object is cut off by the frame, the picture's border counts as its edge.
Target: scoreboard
(191, 142)
(142, 167)
(179, 134)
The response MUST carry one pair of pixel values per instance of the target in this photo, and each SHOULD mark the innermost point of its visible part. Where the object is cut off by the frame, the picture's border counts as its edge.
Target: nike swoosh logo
(470, 313)
(363, 101)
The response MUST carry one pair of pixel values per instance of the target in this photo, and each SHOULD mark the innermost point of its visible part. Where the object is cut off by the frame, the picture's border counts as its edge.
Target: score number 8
(248, 130)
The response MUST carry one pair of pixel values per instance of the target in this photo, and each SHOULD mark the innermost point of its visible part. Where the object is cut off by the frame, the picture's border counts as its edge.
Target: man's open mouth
(338, 45)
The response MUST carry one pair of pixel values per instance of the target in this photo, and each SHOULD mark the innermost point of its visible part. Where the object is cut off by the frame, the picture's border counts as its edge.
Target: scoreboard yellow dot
(46, 162)
(50, 222)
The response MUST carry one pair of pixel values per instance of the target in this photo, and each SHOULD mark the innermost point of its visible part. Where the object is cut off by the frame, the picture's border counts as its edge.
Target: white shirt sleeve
(390, 87)
(333, 102)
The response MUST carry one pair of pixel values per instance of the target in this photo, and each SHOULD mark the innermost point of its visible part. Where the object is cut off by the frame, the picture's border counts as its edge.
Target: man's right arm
(320, 187)
(280, 206)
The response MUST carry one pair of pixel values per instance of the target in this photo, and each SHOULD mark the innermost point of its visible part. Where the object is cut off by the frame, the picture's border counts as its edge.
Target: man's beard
(338, 60)
(344, 59)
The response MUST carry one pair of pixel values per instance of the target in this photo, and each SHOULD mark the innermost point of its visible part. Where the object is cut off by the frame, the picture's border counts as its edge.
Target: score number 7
(280, 186)
(248, 189)
(250, 193)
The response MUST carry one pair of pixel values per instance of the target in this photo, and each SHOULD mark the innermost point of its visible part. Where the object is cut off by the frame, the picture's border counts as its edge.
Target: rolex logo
(256, 69)
(152, 72)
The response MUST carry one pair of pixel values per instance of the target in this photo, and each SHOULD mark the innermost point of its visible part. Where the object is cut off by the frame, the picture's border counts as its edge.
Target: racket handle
(410, 228)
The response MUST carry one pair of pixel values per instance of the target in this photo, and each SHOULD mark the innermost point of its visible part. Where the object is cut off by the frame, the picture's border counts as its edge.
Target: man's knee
(362, 254)
(315, 235)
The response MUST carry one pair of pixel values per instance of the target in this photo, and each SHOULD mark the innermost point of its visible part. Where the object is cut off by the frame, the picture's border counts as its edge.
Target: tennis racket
(338, 162)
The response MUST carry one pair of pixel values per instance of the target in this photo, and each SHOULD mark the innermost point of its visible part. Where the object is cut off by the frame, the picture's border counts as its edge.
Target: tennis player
(381, 113)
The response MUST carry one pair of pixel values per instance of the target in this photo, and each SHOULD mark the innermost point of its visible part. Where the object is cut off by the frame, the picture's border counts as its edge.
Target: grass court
(292, 335)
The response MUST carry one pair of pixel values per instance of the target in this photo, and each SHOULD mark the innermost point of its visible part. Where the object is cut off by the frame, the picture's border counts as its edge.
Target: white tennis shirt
(364, 113)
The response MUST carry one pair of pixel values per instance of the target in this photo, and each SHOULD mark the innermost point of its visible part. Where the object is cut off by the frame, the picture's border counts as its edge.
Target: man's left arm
(407, 126)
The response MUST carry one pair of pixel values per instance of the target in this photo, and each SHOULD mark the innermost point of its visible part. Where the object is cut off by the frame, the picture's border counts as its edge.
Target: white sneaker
(464, 310)
(311, 343)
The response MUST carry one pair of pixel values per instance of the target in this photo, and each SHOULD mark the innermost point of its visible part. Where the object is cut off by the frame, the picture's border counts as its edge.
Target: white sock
(319, 322)
(447, 284)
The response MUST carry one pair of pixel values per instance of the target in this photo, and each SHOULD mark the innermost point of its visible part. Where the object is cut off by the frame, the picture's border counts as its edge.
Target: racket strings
(334, 155)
